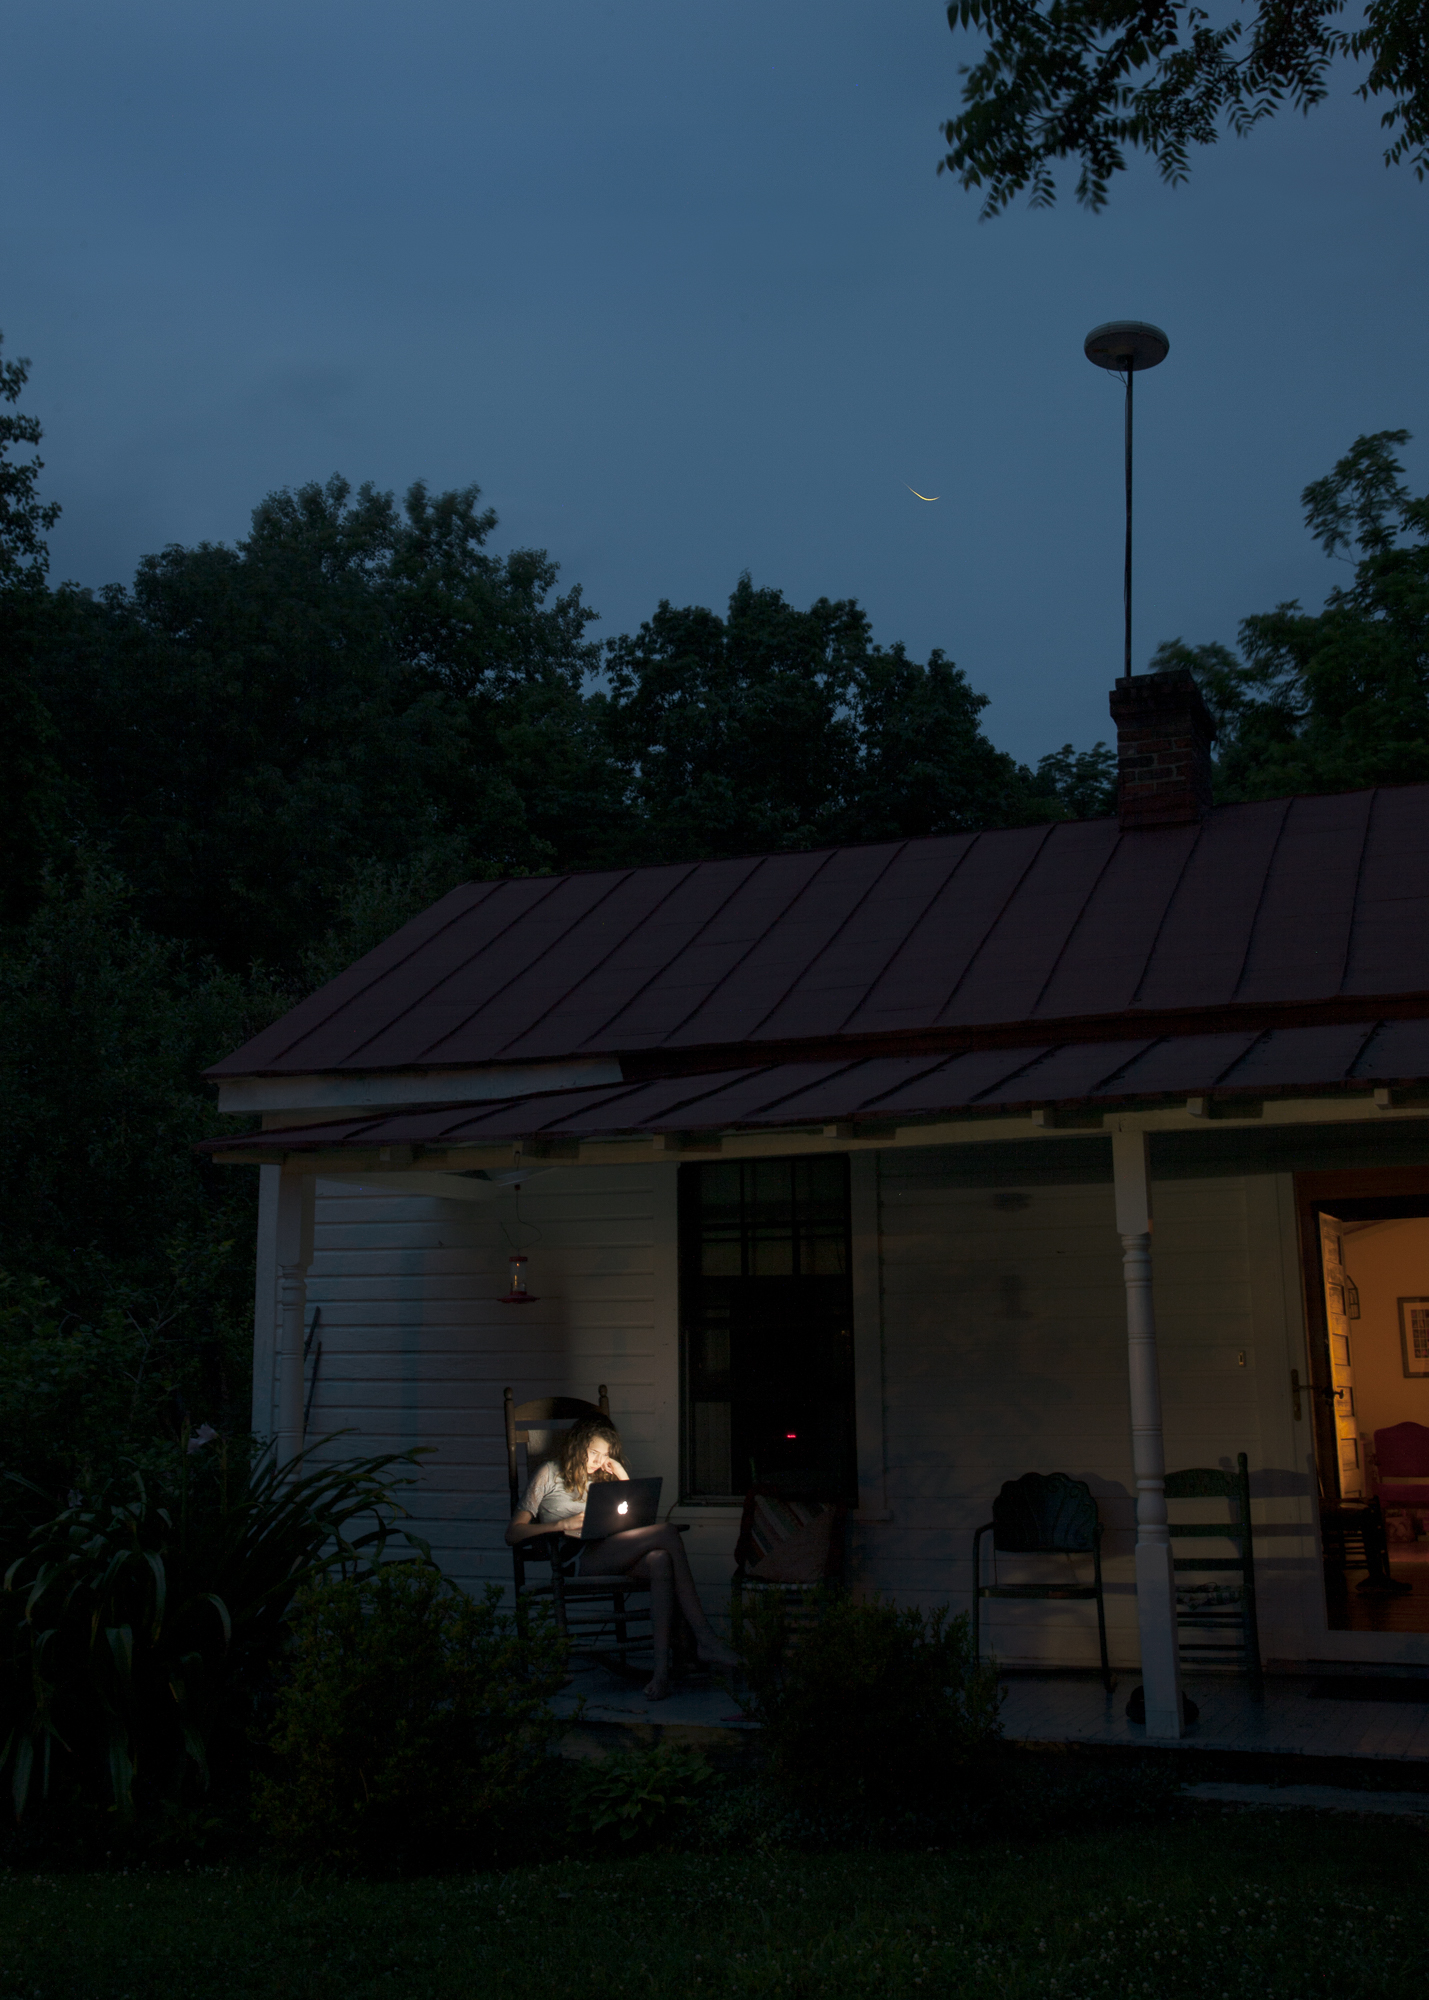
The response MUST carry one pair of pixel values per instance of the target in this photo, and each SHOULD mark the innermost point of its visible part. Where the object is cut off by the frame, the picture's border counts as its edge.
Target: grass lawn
(1224, 1906)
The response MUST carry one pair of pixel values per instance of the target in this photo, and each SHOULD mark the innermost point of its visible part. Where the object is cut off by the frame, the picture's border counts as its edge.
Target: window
(767, 1328)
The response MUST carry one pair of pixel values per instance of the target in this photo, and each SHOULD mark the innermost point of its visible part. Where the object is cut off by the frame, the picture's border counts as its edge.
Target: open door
(1338, 1429)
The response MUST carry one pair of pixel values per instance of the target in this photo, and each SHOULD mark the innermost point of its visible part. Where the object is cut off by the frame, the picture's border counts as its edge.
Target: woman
(554, 1504)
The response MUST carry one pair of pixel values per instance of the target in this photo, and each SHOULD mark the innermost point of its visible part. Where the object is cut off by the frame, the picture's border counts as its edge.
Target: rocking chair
(585, 1609)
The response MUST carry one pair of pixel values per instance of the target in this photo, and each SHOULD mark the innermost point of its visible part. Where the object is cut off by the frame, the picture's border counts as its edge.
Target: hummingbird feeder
(518, 1294)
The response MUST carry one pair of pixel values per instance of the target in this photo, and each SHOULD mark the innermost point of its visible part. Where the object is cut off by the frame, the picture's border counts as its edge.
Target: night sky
(679, 287)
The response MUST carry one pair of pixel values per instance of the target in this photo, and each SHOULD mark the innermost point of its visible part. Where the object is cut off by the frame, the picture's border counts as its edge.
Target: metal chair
(585, 1608)
(1043, 1514)
(1215, 1621)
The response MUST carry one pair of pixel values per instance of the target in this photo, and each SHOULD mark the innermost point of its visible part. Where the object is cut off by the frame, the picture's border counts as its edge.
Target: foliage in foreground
(866, 1706)
(413, 1721)
(1087, 80)
(139, 1628)
(1250, 1907)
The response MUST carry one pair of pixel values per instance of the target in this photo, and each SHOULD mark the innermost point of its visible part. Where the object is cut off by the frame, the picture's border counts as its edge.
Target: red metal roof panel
(1301, 937)
(1110, 946)
(1389, 945)
(1200, 951)
(914, 987)
(1004, 979)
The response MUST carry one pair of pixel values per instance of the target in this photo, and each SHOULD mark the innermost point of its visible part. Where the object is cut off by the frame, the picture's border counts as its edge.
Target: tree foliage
(354, 685)
(1088, 80)
(1332, 700)
(775, 728)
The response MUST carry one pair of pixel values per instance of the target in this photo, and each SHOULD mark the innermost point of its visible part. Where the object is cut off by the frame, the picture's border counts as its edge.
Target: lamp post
(1126, 346)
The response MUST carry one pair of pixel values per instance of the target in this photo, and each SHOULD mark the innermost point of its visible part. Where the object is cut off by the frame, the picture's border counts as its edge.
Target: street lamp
(1127, 346)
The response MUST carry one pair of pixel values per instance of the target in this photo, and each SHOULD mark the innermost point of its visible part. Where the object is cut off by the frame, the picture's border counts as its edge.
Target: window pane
(768, 1355)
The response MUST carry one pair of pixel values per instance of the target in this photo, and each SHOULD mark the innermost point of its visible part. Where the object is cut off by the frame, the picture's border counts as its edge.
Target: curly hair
(570, 1453)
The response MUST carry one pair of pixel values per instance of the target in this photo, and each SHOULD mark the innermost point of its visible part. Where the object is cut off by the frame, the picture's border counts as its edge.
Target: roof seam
(461, 966)
(1260, 900)
(387, 970)
(1165, 917)
(981, 944)
(558, 882)
(754, 944)
(829, 941)
(1355, 895)
(970, 842)
(1076, 923)
(694, 938)
(590, 972)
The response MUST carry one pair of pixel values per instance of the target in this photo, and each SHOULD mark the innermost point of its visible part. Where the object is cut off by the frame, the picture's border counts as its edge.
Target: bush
(414, 1722)
(637, 1792)
(866, 1707)
(139, 1630)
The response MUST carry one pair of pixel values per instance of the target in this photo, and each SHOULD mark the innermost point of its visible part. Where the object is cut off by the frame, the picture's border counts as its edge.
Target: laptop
(613, 1504)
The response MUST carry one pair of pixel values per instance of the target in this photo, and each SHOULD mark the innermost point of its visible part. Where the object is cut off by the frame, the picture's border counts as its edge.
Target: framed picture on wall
(1414, 1335)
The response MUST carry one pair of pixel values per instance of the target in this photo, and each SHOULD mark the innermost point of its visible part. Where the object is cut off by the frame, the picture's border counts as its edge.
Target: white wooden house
(843, 1164)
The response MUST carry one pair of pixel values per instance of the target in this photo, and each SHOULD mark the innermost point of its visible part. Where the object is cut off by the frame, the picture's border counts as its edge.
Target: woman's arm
(524, 1526)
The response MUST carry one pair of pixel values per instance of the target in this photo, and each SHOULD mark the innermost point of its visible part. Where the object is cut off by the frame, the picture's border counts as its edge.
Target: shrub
(637, 1791)
(139, 1629)
(414, 1721)
(866, 1706)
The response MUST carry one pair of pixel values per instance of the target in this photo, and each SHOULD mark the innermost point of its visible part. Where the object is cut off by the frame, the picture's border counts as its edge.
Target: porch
(1304, 1715)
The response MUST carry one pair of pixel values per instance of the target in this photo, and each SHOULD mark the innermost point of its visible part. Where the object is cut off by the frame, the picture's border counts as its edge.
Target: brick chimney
(1164, 734)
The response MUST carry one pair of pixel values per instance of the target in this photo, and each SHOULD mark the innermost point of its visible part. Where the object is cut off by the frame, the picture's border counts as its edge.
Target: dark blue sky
(680, 289)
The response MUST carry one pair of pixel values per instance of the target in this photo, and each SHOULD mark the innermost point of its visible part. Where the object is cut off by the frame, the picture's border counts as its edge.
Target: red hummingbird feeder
(518, 1294)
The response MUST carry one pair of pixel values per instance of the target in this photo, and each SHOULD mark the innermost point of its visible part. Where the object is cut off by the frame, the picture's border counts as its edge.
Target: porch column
(295, 1253)
(1155, 1577)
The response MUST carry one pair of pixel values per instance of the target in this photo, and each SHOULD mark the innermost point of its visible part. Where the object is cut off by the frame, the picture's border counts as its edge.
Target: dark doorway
(767, 1328)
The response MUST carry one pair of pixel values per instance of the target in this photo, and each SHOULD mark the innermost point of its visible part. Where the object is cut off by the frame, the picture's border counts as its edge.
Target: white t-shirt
(548, 1498)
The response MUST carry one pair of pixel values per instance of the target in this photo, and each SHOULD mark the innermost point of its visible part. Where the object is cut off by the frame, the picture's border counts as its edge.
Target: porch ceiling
(1224, 1067)
(1268, 915)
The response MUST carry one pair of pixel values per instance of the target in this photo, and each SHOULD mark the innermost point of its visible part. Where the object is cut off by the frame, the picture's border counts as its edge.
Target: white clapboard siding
(994, 1319)
(417, 1350)
(1005, 1352)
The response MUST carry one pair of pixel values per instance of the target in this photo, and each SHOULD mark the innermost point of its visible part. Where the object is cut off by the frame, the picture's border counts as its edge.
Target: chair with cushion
(790, 1545)
(585, 1609)
(1044, 1514)
(1215, 1615)
(1401, 1460)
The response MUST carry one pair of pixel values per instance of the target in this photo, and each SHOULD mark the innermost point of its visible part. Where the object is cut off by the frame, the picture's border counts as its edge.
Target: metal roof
(1288, 910)
(780, 1095)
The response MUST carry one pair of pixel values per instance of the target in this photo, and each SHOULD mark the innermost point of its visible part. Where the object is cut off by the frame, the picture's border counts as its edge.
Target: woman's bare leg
(625, 1553)
(656, 1569)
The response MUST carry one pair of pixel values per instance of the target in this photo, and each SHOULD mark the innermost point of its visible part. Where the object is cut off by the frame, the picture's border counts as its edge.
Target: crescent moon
(922, 496)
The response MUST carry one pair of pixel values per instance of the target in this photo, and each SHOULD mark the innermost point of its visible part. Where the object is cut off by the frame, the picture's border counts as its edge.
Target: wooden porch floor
(1291, 1721)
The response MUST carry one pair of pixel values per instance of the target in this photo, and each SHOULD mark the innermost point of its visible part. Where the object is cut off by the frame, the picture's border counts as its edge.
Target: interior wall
(1387, 1261)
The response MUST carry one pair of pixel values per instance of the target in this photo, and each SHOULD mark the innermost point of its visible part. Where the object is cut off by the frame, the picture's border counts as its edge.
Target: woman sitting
(554, 1504)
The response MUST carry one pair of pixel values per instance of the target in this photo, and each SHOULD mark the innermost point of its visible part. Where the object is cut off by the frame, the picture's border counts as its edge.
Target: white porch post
(295, 1253)
(1155, 1577)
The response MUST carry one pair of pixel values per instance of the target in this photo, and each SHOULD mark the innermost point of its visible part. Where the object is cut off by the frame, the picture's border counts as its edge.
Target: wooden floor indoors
(1353, 1610)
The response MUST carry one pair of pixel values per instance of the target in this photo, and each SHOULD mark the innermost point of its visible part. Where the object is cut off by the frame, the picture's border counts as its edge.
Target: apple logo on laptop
(623, 1508)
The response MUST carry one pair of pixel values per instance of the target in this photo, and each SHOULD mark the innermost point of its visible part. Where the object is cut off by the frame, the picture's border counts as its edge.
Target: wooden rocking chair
(585, 1609)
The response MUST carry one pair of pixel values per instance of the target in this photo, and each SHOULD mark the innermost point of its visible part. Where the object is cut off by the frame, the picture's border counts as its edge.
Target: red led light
(791, 1434)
